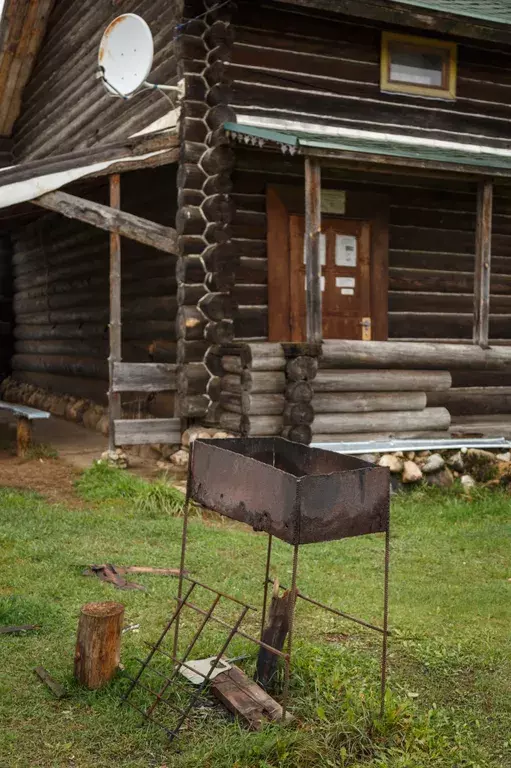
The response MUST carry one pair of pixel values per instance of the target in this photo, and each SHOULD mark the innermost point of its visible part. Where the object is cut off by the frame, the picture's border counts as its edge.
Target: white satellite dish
(125, 55)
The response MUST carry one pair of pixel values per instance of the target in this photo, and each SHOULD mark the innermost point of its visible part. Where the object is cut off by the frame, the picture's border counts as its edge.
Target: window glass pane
(416, 67)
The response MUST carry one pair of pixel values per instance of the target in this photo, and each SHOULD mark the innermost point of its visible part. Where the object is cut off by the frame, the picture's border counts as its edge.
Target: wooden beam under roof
(392, 12)
(110, 219)
(22, 31)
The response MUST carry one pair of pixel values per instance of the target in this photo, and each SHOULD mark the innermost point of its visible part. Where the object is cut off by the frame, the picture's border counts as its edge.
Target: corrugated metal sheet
(65, 106)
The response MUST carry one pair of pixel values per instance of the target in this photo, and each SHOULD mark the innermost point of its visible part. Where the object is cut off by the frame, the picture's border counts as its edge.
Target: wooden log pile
(247, 388)
(375, 403)
(206, 264)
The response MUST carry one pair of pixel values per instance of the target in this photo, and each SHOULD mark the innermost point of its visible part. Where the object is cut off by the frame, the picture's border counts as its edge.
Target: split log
(217, 306)
(361, 402)
(428, 419)
(244, 698)
(254, 405)
(380, 381)
(98, 643)
(274, 635)
(400, 354)
(192, 379)
(190, 323)
(219, 333)
(194, 406)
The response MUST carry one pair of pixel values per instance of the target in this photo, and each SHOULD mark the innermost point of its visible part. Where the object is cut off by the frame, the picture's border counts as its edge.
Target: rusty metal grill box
(296, 493)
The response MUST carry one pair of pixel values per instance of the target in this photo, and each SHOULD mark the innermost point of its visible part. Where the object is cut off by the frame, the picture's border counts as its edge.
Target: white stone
(410, 455)
(192, 433)
(433, 464)
(394, 463)
(468, 482)
(411, 472)
(221, 435)
(504, 456)
(371, 458)
(180, 459)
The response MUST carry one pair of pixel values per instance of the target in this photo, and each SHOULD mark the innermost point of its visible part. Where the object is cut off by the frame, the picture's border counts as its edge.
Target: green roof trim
(495, 11)
(293, 141)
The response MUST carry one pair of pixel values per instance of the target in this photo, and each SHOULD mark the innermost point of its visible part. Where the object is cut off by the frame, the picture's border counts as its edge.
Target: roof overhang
(421, 14)
(338, 143)
(27, 181)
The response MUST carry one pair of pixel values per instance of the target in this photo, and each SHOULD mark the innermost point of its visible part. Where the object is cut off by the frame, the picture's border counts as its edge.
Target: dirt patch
(52, 478)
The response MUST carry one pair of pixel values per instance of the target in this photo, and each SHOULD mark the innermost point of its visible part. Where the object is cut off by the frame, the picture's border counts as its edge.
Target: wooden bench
(24, 416)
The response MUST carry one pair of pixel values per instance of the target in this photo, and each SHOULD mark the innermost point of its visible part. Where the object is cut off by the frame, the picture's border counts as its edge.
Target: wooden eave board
(425, 17)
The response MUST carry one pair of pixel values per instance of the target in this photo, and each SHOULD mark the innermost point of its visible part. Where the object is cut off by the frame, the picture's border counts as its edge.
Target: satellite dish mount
(125, 58)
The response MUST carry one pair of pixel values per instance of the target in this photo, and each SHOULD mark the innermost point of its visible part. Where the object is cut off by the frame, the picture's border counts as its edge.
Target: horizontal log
(448, 325)
(267, 382)
(110, 219)
(473, 400)
(480, 379)
(388, 354)
(233, 422)
(261, 426)
(62, 364)
(232, 364)
(253, 405)
(269, 364)
(357, 437)
(143, 377)
(81, 387)
(193, 406)
(147, 431)
(192, 379)
(364, 402)
(380, 381)
(427, 419)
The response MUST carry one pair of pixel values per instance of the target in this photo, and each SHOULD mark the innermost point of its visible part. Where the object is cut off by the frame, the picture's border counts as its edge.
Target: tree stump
(98, 643)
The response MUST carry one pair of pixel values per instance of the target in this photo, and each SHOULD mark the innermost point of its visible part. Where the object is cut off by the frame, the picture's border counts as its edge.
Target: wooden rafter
(110, 219)
(24, 25)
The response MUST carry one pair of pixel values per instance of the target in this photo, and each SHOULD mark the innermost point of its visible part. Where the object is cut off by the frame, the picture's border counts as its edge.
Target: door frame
(281, 202)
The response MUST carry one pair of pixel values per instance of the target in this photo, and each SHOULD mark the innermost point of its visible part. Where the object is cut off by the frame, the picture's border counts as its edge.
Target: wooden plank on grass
(147, 431)
(244, 698)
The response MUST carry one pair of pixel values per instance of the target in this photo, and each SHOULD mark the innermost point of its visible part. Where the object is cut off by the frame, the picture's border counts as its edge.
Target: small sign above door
(333, 201)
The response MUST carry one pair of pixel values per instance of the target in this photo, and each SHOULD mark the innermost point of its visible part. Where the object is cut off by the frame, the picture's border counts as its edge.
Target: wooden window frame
(449, 75)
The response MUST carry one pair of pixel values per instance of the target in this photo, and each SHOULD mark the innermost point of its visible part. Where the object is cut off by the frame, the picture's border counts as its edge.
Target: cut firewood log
(98, 643)
(274, 634)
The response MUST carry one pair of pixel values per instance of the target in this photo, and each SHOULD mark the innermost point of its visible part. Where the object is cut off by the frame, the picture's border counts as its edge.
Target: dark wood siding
(431, 248)
(315, 69)
(64, 105)
(61, 297)
(5, 305)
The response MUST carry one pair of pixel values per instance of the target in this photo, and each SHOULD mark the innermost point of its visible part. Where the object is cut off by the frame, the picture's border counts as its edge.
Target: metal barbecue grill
(299, 494)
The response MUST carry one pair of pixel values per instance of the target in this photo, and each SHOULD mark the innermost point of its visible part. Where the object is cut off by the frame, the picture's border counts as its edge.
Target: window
(418, 66)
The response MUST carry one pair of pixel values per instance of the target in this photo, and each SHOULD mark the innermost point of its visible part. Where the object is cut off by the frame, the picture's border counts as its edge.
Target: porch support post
(482, 274)
(312, 250)
(114, 398)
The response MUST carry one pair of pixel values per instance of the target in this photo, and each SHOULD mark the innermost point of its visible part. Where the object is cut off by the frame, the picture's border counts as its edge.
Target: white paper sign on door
(344, 282)
(345, 251)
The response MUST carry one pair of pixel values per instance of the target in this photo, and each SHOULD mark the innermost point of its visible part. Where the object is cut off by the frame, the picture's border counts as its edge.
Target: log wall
(64, 105)
(5, 305)
(61, 293)
(315, 67)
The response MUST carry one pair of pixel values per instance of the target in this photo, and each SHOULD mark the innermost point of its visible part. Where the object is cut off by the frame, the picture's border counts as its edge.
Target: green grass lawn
(449, 700)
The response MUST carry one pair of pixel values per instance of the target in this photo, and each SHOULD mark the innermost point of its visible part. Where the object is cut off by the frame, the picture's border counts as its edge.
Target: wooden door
(345, 249)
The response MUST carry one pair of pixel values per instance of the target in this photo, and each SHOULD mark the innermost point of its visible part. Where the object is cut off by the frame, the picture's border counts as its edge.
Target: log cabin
(313, 241)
